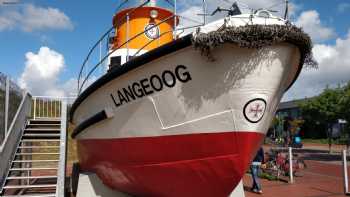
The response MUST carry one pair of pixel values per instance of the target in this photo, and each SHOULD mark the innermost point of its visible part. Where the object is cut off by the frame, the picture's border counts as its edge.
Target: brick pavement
(320, 179)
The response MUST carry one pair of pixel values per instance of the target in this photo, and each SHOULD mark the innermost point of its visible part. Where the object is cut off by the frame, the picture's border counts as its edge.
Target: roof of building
(290, 104)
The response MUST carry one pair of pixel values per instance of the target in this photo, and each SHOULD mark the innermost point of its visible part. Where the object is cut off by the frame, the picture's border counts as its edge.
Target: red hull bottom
(206, 165)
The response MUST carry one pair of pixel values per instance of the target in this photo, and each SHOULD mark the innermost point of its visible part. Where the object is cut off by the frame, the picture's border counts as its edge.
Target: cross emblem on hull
(254, 110)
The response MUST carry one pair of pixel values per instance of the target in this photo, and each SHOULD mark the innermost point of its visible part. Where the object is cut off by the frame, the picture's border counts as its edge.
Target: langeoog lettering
(150, 85)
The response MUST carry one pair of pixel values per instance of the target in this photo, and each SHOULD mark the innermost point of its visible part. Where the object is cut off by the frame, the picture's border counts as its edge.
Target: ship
(184, 115)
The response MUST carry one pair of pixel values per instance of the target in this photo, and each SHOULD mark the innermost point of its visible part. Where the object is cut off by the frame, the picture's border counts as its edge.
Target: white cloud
(311, 23)
(334, 69)
(41, 73)
(31, 18)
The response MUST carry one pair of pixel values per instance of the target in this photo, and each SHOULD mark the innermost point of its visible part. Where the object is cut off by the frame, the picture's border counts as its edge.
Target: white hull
(213, 100)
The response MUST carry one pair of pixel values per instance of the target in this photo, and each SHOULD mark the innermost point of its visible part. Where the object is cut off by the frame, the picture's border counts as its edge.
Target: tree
(345, 105)
(322, 111)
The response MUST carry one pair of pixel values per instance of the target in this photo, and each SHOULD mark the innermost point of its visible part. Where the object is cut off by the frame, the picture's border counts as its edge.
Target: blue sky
(69, 28)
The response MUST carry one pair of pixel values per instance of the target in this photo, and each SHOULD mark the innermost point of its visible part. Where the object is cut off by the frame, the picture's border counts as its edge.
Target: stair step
(45, 121)
(34, 161)
(30, 177)
(28, 186)
(31, 125)
(33, 147)
(28, 169)
(41, 136)
(36, 153)
(42, 129)
(39, 140)
(33, 195)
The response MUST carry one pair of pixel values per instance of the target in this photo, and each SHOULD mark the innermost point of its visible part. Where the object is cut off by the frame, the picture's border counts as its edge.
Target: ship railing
(85, 79)
(98, 46)
(48, 107)
(88, 74)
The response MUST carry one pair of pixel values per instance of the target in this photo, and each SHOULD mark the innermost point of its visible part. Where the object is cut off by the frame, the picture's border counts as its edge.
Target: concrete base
(91, 186)
(239, 190)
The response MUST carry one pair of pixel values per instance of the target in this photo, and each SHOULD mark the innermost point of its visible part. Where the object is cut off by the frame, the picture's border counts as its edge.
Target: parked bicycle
(277, 164)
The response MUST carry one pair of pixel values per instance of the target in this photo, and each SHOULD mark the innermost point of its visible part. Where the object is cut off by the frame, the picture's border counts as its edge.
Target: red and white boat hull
(190, 126)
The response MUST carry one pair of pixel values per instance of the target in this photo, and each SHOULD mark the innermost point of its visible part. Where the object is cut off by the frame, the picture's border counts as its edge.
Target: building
(289, 108)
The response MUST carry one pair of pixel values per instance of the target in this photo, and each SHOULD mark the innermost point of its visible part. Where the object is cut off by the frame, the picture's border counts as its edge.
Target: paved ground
(322, 178)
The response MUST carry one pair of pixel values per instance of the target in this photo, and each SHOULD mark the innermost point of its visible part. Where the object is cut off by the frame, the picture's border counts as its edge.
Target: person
(254, 168)
(287, 132)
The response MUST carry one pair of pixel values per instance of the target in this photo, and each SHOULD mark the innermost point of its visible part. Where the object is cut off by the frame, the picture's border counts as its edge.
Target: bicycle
(278, 164)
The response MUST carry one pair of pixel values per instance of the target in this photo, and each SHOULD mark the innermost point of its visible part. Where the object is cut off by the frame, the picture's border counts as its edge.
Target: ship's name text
(150, 85)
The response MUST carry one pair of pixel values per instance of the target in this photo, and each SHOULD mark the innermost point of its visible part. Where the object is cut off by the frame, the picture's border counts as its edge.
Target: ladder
(34, 168)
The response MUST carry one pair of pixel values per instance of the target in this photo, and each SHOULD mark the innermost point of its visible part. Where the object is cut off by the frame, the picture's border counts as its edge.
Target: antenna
(204, 11)
(286, 12)
(233, 10)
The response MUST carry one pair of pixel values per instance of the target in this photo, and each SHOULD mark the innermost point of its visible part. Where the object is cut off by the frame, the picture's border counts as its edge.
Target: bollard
(345, 173)
(291, 179)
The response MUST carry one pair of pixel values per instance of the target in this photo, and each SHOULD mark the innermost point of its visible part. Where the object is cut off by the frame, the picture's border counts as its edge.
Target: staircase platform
(39, 146)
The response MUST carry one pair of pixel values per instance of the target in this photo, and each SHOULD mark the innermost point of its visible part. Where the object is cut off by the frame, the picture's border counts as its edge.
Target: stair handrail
(25, 94)
(61, 172)
(20, 109)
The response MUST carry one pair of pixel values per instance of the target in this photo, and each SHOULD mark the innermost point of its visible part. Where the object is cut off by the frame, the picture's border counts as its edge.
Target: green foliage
(322, 111)
(345, 105)
(268, 176)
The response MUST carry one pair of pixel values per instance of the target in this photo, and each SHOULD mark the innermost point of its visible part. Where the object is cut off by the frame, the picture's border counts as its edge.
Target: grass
(315, 141)
(340, 141)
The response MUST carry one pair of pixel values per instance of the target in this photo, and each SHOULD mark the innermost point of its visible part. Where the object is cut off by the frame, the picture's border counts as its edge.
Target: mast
(286, 11)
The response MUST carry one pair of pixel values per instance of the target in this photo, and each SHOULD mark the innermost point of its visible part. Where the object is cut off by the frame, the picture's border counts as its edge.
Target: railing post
(61, 173)
(175, 19)
(291, 178)
(7, 99)
(345, 173)
(127, 35)
(204, 12)
(34, 108)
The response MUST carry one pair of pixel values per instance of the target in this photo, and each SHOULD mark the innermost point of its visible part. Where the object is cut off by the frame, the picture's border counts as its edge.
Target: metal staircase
(38, 165)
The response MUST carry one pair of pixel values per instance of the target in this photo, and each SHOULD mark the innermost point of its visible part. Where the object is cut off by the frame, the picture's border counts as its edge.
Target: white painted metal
(26, 169)
(34, 161)
(90, 185)
(7, 99)
(12, 125)
(34, 195)
(61, 173)
(48, 107)
(175, 20)
(269, 72)
(127, 35)
(31, 177)
(212, 101)
(28, 186)
(123, 53)
(345, 172)
(43, 129)
(291, 177)
(204, 12)
(238, 191)
(34, 108)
